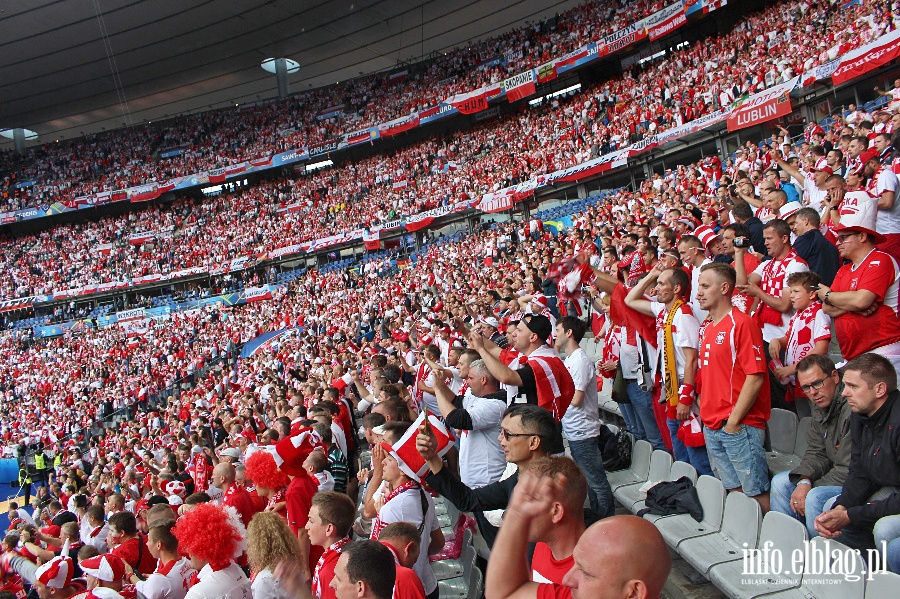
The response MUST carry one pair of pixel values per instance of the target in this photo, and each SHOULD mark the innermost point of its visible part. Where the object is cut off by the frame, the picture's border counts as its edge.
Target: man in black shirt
(527, 433)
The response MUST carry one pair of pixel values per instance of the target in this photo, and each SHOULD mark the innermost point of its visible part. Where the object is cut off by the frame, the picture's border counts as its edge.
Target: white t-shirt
(227, 583)
(582, 422)
(777, 331)
(699, 312)
(887, 220)
(685, 333)
(169, 581)
(265, 587)
(813, 195)
(407, 507)
(481, 460)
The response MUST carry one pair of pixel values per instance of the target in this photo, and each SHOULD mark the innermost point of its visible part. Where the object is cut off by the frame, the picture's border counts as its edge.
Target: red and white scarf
(334, 548)
(377, 524)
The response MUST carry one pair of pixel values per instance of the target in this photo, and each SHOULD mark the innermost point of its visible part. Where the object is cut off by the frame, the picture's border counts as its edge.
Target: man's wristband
(804, 481)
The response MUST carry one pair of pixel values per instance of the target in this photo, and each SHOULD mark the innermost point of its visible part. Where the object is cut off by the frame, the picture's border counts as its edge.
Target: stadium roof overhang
(79, 66)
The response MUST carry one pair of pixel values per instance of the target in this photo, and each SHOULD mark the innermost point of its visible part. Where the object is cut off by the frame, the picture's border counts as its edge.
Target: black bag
(618, 448)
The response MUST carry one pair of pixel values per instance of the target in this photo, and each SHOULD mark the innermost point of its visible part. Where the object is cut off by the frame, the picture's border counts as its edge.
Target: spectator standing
(734, 409)
(768, 285)
(863, 299)
(477, 414)
(581, 423)
(678, 333)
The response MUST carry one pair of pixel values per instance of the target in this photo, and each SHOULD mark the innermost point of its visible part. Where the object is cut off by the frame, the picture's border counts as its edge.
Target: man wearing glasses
(527, 434)
(804, 491)
(863, 299)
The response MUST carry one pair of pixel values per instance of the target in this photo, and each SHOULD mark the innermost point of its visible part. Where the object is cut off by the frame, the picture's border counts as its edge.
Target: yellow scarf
(669, 362)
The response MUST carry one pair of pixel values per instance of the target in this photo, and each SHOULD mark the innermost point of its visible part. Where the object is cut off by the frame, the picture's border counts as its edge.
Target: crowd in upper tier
(460, 166)
(782, 41)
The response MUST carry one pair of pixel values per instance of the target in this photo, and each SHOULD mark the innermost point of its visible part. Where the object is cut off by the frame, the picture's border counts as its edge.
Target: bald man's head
(617, 557)
(223, 475)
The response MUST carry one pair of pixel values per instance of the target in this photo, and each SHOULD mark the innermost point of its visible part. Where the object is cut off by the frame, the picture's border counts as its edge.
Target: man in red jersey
(734, 388)
(402, 538)
(328, 527)
(863, 299)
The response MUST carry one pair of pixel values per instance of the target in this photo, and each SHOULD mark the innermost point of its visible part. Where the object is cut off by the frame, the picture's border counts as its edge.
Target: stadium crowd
(251, 475)
(764, 49)
(461, 166)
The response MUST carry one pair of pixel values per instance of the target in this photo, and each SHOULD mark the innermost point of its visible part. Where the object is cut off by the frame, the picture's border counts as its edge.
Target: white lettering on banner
(127, 315)
(625, 36)
(747, 117)
(868, 57)
(664, 14)
(257, 293)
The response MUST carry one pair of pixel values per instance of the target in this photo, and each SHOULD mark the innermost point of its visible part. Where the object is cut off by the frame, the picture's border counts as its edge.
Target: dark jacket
(874, 463)
(820, 254)
(755, 226)
(828, 444)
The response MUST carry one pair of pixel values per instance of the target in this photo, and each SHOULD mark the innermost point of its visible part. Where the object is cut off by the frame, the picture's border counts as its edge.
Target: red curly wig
(262, 470)
(211, 534)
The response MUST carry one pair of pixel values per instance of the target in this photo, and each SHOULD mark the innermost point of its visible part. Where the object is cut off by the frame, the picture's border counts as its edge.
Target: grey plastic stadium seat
(740, 524)
(678, 470)
(458, 588)
(802, 431)
(787, 535)
(676, 529)
(446, 569)
(884, 585)
(783, 437)
(639, 469)
(476, 584)
(660, 465)
(831, 586)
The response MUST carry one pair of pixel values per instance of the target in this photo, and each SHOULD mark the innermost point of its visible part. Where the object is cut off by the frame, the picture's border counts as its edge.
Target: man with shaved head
(616, 558)
(233, 494)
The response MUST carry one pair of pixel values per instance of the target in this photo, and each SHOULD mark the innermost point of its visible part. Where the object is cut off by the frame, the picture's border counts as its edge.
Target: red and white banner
(143, 193)
(766, 105)
(823, 71)
(867, 58)
(398, 126)
(400, 183)
(623, 38)
(141, 238)
(474, 101)
(103, 248)
(590, 168)
(497, 201)
(257, 294)
(264, 161)
(419, 221)
(235, 169)
(665, 21)
(520, 86)
(217, 175)
(372, 239)
(135, 327)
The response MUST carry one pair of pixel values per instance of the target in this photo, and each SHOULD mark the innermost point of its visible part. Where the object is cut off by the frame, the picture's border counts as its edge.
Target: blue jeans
(632, 422)
(695, 456)
(586, 453)
(642, 403)
(739, 459)
(780, 500)
(887, 530)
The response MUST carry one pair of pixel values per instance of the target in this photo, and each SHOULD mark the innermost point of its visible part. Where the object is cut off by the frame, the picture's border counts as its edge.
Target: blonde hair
(269, 541)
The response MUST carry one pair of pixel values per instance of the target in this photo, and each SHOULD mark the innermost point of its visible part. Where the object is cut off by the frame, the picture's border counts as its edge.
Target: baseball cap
(231, 452)
(539, 325)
